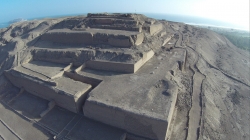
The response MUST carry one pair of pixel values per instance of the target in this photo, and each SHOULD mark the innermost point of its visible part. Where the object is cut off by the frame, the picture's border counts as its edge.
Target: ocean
(170, 17)
(3, 25)
(194, 20)
(6, 23)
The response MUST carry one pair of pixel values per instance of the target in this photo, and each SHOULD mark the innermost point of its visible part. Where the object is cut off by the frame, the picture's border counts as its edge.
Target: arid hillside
(144, 79)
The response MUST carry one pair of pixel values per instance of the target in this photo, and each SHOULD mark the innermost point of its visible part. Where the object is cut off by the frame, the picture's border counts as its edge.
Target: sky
(232, 11)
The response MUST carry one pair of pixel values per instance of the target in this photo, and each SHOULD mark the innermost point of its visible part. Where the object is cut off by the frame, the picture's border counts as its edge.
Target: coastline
(196, 21)
(215, 26)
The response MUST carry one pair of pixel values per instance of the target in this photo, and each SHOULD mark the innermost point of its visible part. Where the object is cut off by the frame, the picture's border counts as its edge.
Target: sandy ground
(213, 89)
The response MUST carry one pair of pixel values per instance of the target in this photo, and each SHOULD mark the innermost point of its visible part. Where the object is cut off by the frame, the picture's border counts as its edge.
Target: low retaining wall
(136, 28)
(103, 15)
(89, 80)
(47, 91)
(94, 37)
(154, 28)
(145, 58)
(77, 57)
(69, 37)
(138, 124)
(112, 21)
(139, 39)
(167, 40)
(119, 66)
(110, 66)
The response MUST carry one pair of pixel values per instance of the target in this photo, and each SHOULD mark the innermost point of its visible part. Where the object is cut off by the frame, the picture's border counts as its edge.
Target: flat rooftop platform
(46, 80)
(23, 111)
(71, 87)
(44, 68)
(139, 103)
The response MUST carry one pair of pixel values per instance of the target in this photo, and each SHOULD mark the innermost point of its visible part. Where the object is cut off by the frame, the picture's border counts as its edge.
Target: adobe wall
(118, 27)
(111, 21)
(119, 66)
(127, 22)
(171, 111)
(80, 99)
(88, 80)
(110, 66)
(104, 15)
(145, 58)
(155, 28)
(43, 90)
(79, 37)
(137, 124)
(103, 21)
(80, 68)
(121, 42)
(77, 57)
(167, 40)
(139, 39)
(69, 37)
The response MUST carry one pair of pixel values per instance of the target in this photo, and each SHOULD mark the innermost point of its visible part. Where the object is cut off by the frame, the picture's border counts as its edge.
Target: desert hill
(121, 76)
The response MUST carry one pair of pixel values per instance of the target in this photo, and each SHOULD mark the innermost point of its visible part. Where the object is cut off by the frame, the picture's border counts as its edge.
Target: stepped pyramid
(101, 65)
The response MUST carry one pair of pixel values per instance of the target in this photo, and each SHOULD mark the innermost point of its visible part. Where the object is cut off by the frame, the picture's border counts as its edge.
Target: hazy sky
(233, 11)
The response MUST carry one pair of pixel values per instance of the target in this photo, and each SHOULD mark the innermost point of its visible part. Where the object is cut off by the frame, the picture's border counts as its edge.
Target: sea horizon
(190, 20)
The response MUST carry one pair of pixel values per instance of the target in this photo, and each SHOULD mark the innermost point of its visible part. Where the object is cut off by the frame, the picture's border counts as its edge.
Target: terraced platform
(109, 68)
(46, 80)
(58, 122)
(94, 37)
(144, 104)
(69, 87)
(113, 21)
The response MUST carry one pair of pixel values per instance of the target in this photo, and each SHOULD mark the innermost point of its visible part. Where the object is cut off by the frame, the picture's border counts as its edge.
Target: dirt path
(14, 121)
(195, 111)
(7, 133)
(180, 123)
